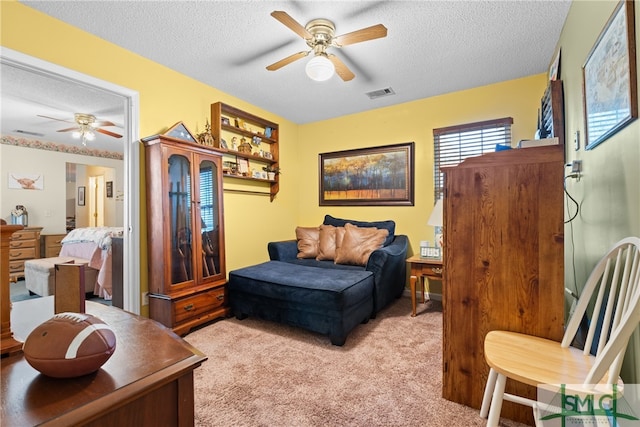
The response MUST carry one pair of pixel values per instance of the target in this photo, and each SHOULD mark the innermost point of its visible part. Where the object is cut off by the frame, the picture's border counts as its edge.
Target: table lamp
(436, 220)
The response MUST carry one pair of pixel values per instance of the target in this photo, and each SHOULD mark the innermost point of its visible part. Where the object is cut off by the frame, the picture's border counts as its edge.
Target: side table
(430, 268)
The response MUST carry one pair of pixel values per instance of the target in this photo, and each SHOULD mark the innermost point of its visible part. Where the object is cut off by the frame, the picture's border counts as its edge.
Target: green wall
(609, 190)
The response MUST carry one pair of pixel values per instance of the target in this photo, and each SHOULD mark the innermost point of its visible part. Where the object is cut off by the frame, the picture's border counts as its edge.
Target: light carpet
(388, 373)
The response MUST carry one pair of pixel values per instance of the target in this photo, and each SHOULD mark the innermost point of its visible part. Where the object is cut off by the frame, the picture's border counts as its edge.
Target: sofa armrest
(388, 265)
(283, 250)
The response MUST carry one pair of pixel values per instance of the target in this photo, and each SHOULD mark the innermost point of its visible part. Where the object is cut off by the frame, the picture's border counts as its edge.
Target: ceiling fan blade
(293, 25)
(341, 69)
(286, 61)
(106, 132)
(104, 123)
(369, 33)
(68, 129)
(53, 118)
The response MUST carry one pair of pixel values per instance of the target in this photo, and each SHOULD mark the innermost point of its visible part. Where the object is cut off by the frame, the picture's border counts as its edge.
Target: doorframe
(131, 106)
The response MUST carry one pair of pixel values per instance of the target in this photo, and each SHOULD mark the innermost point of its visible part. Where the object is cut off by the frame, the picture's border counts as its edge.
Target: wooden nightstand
(420, 268)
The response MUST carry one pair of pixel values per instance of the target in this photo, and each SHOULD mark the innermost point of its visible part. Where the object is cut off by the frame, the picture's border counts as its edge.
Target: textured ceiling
(432, 47)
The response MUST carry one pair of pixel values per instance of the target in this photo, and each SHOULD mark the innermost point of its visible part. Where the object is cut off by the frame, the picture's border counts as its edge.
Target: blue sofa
(321, 296)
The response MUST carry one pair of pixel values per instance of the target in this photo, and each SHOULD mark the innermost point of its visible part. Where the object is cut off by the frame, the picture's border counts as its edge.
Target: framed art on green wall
(610, 78)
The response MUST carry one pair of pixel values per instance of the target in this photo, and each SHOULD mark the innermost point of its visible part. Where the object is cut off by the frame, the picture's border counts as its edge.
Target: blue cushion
(388, 225)
(328, 288)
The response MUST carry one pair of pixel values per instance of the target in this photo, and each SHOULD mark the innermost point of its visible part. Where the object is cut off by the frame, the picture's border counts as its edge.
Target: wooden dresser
(50, 245)
(504, 252)
(147, 382)
(24, 245)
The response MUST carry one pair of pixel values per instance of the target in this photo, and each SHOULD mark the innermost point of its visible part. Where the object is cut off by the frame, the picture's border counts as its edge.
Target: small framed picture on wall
(109, 188)
(81, 191)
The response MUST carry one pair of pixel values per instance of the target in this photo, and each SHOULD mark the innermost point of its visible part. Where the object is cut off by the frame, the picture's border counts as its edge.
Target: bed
(94, 245)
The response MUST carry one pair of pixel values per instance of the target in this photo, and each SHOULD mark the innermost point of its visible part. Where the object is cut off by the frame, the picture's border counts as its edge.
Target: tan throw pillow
(308, 238)
(358, 243)
(330, 238)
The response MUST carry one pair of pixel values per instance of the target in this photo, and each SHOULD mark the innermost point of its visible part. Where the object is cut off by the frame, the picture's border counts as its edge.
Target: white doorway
(130, 105)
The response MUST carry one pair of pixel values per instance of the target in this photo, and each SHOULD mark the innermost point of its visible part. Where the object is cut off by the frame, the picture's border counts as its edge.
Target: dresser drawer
(16, 266)
(196, 305)
(51, 245)
(18, 244)
(22, 253)
(25, 235)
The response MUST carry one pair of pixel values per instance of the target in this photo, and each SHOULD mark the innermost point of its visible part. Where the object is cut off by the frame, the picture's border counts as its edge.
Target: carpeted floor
(389, 373)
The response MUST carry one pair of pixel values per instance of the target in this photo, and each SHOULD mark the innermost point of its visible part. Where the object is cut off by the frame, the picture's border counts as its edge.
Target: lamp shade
(436, 215)
(320, 68)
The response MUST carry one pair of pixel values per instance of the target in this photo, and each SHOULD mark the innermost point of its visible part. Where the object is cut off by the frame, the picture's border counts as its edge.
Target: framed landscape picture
(377, 176)
(610, 78)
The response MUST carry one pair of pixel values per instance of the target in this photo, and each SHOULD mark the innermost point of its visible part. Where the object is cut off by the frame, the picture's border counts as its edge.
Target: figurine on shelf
(244, 147)
(272, 171)
(206, 138)
(234, 143)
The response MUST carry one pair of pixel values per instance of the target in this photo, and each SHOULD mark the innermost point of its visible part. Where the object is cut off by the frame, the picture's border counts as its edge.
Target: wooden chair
(613, 293)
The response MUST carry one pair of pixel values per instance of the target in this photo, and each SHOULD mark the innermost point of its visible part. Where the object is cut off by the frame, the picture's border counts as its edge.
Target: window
(453, 144)
(206, 198)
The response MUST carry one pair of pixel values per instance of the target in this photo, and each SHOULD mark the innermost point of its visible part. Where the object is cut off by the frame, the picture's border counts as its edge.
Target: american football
(69, 345)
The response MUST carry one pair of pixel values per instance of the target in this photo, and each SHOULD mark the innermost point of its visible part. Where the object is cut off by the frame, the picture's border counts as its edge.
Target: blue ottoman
(330, 302)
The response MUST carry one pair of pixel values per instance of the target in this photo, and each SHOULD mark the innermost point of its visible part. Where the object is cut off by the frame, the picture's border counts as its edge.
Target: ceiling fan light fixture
(320, 68)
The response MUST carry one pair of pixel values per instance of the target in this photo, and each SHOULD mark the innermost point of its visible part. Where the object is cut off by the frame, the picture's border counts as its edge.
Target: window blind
(206, 198)
(453, 144)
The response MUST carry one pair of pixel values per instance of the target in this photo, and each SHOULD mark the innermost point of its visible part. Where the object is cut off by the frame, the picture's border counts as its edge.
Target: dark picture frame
(376, 176)
(109, 189)
(610, 93)
(81, 193)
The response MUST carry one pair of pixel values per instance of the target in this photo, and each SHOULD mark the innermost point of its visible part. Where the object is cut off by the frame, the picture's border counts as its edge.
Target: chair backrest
(613, 290)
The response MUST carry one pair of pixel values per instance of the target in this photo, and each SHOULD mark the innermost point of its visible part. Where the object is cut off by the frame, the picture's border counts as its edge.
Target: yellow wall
(412, 121)
(608, 192)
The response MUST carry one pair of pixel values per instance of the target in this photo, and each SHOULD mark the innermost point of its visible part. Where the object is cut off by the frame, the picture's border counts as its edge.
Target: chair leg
(496, 401)
(488, 392)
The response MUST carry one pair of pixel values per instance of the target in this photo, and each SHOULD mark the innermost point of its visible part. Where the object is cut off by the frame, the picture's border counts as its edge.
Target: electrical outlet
(576, 166)
(576, 140)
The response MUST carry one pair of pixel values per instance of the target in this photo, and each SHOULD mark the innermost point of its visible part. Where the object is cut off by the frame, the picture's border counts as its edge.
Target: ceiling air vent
(26, 132)
(380, 93)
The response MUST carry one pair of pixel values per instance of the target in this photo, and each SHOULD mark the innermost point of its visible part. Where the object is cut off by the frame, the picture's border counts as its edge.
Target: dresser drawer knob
(189, 307)
(220, 297)
(437, 270)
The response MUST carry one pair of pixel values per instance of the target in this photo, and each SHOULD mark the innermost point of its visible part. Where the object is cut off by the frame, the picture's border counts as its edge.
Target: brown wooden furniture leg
(412, 283)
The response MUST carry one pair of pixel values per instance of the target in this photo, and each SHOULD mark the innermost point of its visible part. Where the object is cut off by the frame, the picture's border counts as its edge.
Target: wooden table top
(146, 353)
(420, 260)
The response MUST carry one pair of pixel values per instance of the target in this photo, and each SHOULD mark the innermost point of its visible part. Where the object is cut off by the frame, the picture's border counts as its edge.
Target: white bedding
(93, 244)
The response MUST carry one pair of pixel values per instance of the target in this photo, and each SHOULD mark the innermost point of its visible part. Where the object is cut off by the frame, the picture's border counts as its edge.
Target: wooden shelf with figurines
(249, 144)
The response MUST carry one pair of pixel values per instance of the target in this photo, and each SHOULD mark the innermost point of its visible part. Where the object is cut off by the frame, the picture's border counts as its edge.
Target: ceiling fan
(86, 126)
(319, 36)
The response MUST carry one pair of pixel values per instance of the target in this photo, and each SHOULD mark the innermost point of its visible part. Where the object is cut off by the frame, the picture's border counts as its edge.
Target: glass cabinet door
(209, 211)
(180, 219)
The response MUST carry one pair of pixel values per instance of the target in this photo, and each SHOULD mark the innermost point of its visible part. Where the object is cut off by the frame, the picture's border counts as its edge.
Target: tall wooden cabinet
(187, 276)
(504, 258)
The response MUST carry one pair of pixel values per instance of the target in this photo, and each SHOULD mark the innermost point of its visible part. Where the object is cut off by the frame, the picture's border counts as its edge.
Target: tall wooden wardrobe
(185, 227)
(503, 262)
